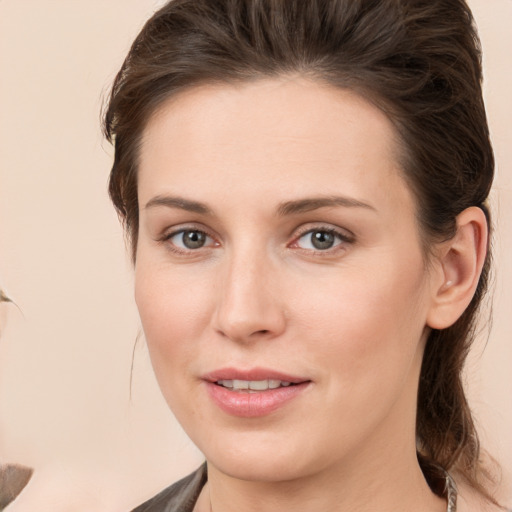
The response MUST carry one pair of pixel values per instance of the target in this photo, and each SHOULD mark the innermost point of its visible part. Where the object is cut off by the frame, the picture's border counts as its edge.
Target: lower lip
(252, 405)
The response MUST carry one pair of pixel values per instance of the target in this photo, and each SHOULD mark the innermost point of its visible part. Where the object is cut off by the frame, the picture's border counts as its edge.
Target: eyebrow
(314, 203)
(284, 209)
(178, 202)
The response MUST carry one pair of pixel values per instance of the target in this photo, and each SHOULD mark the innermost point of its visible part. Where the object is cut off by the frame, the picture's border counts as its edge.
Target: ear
(458, 267)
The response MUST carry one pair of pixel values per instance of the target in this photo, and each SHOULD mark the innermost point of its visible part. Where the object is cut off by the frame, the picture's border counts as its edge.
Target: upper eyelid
(175, 230)
(343, 233)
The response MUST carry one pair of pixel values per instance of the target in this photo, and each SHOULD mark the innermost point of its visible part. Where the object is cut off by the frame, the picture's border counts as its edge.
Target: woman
(304, 187)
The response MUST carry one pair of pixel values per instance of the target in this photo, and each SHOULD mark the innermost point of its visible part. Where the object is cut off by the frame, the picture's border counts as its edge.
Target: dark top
(13, 477)
(179, 497)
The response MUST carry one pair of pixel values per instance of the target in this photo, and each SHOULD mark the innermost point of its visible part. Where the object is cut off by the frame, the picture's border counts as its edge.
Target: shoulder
(179, 497)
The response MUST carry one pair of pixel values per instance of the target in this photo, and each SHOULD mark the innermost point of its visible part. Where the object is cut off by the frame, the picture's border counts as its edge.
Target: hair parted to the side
(417, 60)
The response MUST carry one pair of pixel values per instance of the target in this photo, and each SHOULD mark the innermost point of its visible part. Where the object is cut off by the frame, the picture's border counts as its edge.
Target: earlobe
(460, 264)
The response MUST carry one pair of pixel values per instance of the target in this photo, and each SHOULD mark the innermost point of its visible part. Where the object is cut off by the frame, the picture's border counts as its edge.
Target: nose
(249, 306)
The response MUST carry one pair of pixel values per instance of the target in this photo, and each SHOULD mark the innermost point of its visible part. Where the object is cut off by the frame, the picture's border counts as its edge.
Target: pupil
(322, 240)
(193, 239)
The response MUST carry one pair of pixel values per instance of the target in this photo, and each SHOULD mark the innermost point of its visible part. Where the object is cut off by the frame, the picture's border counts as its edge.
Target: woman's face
(279, 251)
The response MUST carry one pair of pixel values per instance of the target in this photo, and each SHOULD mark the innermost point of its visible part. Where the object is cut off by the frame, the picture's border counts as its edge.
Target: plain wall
(66, 354)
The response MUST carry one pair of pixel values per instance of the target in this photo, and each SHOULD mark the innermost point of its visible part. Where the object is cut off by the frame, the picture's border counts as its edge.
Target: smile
(253, 393)
(253, 385)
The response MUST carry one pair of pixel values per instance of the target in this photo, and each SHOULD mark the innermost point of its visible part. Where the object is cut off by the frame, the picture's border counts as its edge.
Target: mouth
(253, 386)
(255, 379)
(253, 393)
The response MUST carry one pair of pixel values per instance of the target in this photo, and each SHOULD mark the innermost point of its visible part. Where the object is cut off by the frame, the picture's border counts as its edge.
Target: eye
(190, 239)
(321, 239)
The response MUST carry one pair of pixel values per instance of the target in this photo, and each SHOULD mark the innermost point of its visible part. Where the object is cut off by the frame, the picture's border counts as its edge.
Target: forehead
(281, 137)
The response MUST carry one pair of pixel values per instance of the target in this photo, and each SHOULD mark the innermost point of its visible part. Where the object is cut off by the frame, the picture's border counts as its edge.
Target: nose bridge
(248, 307)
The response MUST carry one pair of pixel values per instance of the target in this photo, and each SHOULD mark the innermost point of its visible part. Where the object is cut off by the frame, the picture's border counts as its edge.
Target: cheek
(365, 333)
(367, 320)
(174, 309)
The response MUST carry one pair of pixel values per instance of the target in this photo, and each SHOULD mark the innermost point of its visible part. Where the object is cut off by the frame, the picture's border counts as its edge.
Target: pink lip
(251, 405)
(251, 374)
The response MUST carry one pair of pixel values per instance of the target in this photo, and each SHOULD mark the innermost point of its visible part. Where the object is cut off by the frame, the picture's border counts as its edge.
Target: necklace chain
(451, 494)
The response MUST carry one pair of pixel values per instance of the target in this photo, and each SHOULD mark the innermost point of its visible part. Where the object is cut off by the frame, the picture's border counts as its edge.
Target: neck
(385, 484)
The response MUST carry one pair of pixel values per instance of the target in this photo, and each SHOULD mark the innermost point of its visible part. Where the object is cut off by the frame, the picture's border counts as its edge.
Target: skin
(352, 319)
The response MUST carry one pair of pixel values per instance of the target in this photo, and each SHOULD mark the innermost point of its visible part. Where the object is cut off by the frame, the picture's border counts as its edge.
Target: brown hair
(417, 60)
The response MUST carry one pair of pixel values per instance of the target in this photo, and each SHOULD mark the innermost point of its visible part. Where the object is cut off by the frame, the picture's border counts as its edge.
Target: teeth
(253, 385)
(240, 384)
(258, 385)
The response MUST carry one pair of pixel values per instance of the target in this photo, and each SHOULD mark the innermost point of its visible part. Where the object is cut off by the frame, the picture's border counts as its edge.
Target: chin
(264, 458)
(271, 470)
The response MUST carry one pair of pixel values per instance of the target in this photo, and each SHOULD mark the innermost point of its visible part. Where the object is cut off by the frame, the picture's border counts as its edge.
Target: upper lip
(252, 374)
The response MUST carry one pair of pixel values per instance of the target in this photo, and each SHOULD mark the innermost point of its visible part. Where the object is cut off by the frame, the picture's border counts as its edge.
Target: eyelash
(343, 238)
(166, 239)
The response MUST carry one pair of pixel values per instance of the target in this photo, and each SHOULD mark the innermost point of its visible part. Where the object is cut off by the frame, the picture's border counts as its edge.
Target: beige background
(65, 359)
